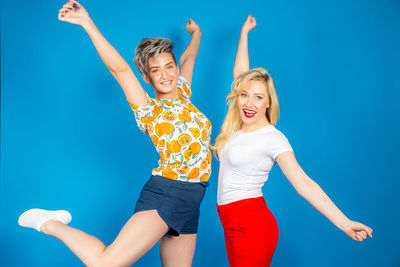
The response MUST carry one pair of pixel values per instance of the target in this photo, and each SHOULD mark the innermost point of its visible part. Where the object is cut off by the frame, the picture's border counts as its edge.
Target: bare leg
(177, 251)
(139, 234)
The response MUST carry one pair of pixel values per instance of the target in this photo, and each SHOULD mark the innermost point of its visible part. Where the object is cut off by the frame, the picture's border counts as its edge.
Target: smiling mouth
(249, 113)
(166, 83)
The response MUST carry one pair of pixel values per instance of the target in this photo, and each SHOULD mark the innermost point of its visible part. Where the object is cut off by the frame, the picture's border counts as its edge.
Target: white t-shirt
(245, 162)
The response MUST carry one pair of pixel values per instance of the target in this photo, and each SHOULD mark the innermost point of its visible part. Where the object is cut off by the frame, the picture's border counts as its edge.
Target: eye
(170, 67)
(243, 95)
(258, 97)
(154, 70)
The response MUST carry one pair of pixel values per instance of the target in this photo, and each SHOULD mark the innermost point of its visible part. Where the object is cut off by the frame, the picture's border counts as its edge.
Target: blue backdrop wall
(69, 139)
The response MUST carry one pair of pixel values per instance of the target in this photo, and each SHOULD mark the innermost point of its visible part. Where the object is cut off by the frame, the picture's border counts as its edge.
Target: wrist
(196, 33)
(344, 224)
(87, 23)
(244, 33)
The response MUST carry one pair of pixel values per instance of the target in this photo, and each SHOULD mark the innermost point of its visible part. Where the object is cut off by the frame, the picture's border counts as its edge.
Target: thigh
(177, 251)
(261, 236)
(250, 238)
(142, 231)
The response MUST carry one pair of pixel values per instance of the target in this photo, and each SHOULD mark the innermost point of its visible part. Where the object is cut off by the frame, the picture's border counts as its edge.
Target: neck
(246, 128)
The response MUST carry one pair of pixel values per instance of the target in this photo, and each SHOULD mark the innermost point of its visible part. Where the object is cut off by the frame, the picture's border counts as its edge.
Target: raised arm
(242, 55)
(188, 57)
(75, 13)
(313, 193)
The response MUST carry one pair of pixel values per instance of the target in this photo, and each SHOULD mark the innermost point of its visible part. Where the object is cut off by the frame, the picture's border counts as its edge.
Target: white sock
(34, 218)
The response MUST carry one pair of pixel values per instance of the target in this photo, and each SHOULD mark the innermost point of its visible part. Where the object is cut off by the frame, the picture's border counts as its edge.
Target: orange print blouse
(180, 133)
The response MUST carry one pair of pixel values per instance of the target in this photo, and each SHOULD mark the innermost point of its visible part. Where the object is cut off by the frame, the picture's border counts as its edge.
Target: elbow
(238, 71)
(186, 59)
(235, 74)
(116, 70)
(305, 187)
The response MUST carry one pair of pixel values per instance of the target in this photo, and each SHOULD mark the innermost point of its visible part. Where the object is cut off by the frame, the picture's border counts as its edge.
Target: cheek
(263, 105)
(239, 103)
(175, 72)
(153, 76)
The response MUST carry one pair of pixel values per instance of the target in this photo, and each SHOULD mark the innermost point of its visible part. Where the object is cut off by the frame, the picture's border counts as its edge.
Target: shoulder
(184, 87)
(277, 143)
(150, 104)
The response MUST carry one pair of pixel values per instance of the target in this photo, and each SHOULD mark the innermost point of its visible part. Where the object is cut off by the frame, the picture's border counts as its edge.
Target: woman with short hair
(168, 207)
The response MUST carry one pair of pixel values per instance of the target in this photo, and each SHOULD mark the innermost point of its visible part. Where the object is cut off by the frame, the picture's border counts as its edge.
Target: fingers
(191, 22)
(368, 230)
(250, 19)
(249, 24)
(76, 3)
(69, 4)
(65, 9)
(364, 228)
(192, 27)
(358, 237)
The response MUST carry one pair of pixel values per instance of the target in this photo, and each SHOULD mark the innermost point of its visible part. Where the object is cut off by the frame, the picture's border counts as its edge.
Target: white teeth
(249, 112)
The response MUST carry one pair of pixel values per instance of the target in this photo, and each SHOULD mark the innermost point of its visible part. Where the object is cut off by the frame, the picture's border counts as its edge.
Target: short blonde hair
(232, 120)
(148, 48)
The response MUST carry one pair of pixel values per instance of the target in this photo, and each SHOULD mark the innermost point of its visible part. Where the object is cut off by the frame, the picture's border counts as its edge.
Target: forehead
(161, 59)
(255, 87)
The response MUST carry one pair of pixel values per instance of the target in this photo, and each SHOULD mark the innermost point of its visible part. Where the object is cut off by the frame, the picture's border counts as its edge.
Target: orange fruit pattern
(204, 177)
(204, 164)
(157, 111)
(193, 174)
(175, 147)
(169, 174)
(150, 128)
(192, 108)
(185, 116)
(195, 132)
(169, 116)
(185, 169)
(184, 139)
(195, 148)
(180, 133)
(164, 128)
(204, 135)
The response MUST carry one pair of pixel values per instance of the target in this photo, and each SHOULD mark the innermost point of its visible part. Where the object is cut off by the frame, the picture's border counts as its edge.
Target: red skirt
(251, 232)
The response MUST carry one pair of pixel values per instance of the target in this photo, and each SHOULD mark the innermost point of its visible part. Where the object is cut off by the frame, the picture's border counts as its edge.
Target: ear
(269, 102)
(146, 78)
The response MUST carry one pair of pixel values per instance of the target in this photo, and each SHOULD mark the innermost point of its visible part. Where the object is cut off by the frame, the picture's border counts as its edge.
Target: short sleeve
(143, 114)
(184, 88)
(280, 144)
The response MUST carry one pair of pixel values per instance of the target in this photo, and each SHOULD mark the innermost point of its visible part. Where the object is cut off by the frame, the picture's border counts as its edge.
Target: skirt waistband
(249, 204)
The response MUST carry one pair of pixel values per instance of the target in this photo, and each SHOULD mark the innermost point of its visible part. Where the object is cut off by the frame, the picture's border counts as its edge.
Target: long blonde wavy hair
(232, 121)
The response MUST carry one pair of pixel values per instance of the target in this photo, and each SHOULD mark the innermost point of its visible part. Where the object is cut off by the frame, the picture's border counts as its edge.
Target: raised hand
(74, 13)
(357, 231)
(192, 27)
(249, 24)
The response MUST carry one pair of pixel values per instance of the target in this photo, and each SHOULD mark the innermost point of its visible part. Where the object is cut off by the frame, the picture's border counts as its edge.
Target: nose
(163, 73)
(249, 102)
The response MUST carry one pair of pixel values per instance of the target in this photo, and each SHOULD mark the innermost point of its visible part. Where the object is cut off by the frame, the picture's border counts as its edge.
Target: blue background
(69, 139)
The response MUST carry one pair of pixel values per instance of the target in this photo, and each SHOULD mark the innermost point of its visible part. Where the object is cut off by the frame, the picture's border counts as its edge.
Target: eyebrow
(257, 94)
(154, 67)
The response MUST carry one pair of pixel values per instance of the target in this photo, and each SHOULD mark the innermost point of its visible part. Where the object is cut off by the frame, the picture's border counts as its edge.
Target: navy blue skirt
(177, 203)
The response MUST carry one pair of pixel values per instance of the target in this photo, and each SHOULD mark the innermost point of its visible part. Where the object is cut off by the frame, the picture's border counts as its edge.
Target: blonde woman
(248, 146)
(168, 207)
